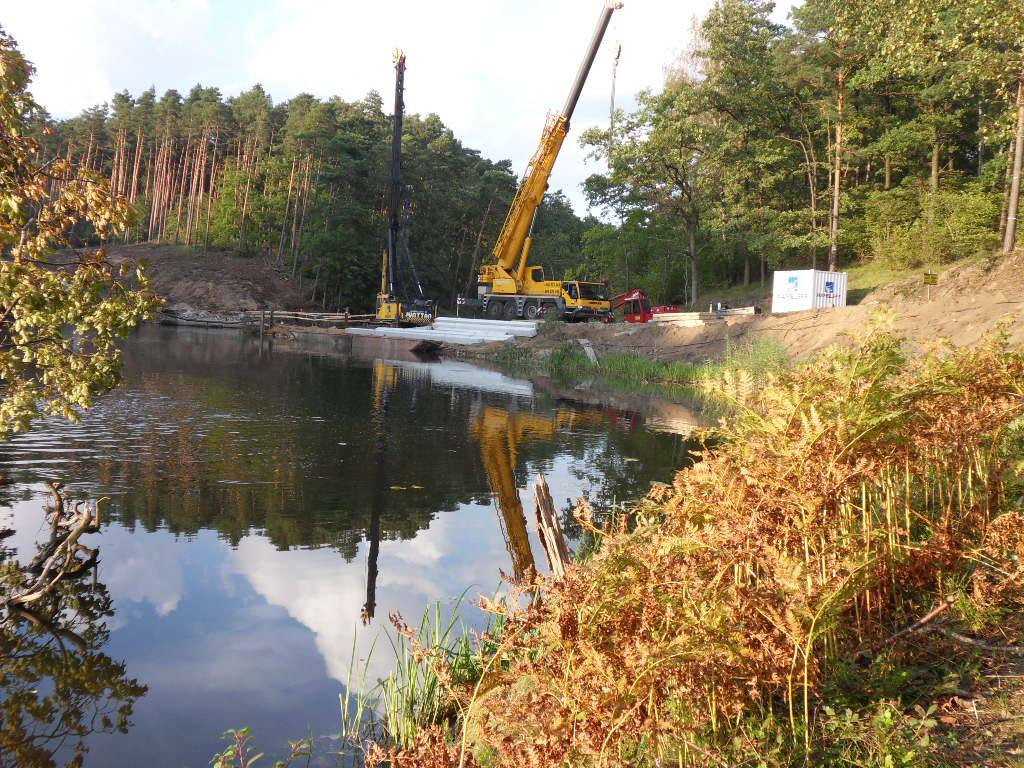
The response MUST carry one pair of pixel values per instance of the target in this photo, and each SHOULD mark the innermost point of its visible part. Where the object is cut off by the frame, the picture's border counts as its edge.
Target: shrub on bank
(798, 596)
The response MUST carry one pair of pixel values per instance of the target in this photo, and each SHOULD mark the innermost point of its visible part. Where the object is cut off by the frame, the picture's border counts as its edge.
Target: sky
(491, 69)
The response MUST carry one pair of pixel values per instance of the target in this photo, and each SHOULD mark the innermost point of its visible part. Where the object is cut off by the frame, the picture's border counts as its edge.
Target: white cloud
(322, 591)
(491, 69)
(135, 568)
(146, 569)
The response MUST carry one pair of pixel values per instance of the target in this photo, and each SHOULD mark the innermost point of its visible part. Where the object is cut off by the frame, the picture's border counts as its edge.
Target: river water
(268, 509)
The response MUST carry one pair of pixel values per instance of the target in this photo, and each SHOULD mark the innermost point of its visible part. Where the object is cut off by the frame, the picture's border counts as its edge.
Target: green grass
(429, 662)
(734, 296)
(567, 363)
(863, 278)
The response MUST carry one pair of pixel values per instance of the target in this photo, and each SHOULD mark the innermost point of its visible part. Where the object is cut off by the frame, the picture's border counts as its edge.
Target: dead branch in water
(59, 557)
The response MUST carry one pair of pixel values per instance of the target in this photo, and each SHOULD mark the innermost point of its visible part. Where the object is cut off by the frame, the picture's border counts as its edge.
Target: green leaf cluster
(63, 306)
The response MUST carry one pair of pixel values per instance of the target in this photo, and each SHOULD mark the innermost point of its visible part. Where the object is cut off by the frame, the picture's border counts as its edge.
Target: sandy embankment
(968, 303)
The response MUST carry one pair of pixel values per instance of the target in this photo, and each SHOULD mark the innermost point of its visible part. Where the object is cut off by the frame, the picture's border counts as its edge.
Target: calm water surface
(269, 509)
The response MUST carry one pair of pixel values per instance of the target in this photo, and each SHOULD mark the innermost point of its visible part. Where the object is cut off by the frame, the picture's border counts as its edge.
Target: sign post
(930, 279)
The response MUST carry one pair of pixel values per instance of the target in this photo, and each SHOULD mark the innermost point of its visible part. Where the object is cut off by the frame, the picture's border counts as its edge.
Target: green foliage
(883, 737)
(567, 363)
(431, 661)
(62, 313)
(238, 753)
(731, 166)
(760, 359)
(899, 232)
(302, 184)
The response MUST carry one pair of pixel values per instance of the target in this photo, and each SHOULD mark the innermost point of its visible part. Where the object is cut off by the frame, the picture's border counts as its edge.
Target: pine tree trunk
(981, 140)
(123, 171)
(133, 191)
(299, 204)
(933, 182)
(284, 218)
(692, 231)
(158, 190)
(1005, 206)
(115, 163)
(209, 200)
(476, 248)
(457, 264)
(181, 188)
(245, 197)
(1013, 207)
(311, 187)
(837, 174)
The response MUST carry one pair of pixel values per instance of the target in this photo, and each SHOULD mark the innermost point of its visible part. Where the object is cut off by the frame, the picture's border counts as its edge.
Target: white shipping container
(799, 289)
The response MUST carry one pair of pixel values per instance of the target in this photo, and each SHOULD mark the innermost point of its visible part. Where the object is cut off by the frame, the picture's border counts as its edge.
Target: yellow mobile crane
(510, 287)
(394, 304)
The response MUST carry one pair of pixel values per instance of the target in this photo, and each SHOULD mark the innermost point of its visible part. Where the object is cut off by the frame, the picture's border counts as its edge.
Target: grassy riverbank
(838, 581)
(569, 364)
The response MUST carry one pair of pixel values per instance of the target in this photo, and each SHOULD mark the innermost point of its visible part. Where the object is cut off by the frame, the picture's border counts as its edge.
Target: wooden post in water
(262, 319)
(551, 537)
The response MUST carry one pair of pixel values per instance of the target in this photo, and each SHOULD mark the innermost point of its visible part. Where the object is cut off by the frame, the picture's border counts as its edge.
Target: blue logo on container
(794, 281)
(830, 286)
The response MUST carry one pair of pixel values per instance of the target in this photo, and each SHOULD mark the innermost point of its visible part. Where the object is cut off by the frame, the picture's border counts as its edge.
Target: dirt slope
(216, 282)
(967, 303)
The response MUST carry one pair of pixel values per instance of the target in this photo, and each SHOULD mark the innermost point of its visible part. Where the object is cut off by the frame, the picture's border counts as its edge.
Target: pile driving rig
(511, 288)
(398, 277)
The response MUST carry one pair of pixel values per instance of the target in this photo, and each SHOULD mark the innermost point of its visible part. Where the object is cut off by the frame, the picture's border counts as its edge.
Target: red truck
(636, 307)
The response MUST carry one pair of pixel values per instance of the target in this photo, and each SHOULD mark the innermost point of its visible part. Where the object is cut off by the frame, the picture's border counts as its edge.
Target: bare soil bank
(216, 282)
(967, 303)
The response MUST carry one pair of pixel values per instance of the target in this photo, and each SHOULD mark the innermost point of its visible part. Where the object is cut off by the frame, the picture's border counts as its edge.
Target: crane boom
(394, 305)
(395, 206)
(507, 275)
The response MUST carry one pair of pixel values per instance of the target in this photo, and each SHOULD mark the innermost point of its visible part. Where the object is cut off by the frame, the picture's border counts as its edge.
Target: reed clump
(796, 597)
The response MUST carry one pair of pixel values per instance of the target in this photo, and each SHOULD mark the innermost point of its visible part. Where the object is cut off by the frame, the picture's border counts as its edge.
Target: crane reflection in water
(500, 432)
(385, 380)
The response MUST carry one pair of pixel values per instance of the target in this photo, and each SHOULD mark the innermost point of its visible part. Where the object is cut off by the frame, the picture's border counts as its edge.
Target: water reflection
(502, 431)
(58, 686)
(267, 508)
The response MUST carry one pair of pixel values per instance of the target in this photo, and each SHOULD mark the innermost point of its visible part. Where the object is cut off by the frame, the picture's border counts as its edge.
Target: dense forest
(863, 130)
(303, 184)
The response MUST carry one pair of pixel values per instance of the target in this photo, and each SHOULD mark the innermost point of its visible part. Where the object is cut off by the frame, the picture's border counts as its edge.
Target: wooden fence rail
(268, 317)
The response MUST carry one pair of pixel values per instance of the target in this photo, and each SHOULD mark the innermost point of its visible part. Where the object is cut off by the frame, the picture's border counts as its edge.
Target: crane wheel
(530, 310)
(509, 312)
(495, 308)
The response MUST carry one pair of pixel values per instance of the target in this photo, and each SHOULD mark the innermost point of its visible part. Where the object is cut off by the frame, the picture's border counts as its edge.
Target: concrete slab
(455, 330)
